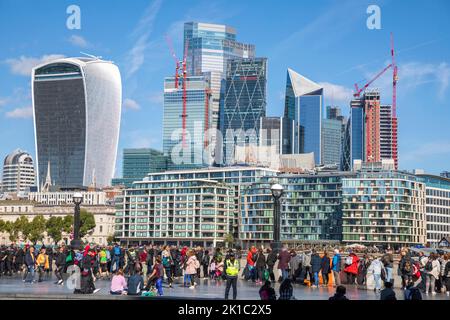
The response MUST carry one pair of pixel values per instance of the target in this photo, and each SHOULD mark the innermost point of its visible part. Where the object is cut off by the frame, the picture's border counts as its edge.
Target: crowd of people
(142, 270)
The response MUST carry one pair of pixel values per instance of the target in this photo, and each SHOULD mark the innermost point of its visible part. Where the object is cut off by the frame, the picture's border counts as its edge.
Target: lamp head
(277, 190)
(77, 198)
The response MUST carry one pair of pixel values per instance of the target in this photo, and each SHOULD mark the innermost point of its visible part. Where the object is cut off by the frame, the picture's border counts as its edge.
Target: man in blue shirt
(336, 267)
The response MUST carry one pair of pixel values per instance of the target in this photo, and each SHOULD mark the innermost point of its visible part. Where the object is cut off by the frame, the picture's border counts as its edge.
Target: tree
(67, 224)
(23, 226)
(11, 228)
(87, 223)
(37, 229)
(229, 239)
(111, 238)
(55, 228)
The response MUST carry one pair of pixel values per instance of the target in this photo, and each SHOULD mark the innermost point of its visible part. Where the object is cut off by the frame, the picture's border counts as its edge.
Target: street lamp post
(277, 192)
(76, 241)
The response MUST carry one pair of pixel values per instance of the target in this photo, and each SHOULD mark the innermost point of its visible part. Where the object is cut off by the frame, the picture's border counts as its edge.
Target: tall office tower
(209, 47)
(331, 141)
(270, 130)
(243, 104)
(77, 104)
(372, 126)
(373, 137)
(333, 113)
(388, 138)
(356, 131)
(186, 154)
(138, 163)
(303, 111)
(346, 146)
(18, 172)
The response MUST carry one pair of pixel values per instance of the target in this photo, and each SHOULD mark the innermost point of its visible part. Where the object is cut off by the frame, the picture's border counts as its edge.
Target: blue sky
(325, 40)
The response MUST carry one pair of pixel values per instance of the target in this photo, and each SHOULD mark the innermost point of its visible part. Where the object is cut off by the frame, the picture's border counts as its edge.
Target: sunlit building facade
(77, 107)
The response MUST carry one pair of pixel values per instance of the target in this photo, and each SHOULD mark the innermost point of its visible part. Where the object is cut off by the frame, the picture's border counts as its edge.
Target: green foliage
(37, 229)
(229, 239)
(11, 228)
(24, 226)
(67, 223)
(111, 238)
(87, 223)
(55, 228)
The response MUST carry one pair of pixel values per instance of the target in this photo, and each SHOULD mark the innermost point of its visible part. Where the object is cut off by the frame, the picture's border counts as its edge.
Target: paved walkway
(14, 288)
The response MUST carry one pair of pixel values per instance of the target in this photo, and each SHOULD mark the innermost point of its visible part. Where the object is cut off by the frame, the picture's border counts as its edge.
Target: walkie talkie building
(76, 106)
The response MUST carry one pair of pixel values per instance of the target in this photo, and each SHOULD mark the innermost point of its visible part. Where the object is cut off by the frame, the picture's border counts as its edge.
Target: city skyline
(145, 60)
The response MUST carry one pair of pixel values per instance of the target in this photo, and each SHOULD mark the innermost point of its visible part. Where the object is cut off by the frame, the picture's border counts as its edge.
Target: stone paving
(14, 288)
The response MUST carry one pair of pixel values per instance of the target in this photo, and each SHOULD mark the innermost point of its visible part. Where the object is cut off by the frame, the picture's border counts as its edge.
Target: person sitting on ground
(286, 290)
(135, 283)
(412, 292)
(156, 277)
(339, 295)
(387, 293)
(118, 283)
(266, 292)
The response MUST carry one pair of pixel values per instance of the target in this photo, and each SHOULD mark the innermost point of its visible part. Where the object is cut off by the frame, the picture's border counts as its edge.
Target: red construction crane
(184, 115)
(394, 104)
(174, 56)
(180, 73)
(359, 90)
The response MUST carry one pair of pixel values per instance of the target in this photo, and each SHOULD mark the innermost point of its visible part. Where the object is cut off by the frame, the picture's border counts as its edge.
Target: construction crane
(174, 56)
(394, 103)
(180, 75)
(358, 91)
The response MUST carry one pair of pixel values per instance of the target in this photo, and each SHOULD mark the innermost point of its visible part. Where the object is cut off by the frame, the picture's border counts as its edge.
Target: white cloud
(131, 104)
(23, 65)
(413, 75)
(336, 94)
(136, 55)
(78, 41)
(21, 113)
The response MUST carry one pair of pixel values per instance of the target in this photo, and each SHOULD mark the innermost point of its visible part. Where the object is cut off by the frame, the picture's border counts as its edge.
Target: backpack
(414, 294)
(429, 266)
(117, 251)
(416, 271)
(349, 260)
(166, 261)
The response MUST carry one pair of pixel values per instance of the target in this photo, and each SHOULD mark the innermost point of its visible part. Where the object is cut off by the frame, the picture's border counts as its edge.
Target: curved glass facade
(77, 105)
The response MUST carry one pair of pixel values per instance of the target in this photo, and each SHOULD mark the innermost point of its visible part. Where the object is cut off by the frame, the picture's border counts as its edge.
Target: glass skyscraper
(333, 129)
(303, 106)
(331, 141)
(138, 163)
(198, 118)
(243, 103)
(356, 131)
(209, 47)
(76, 104)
